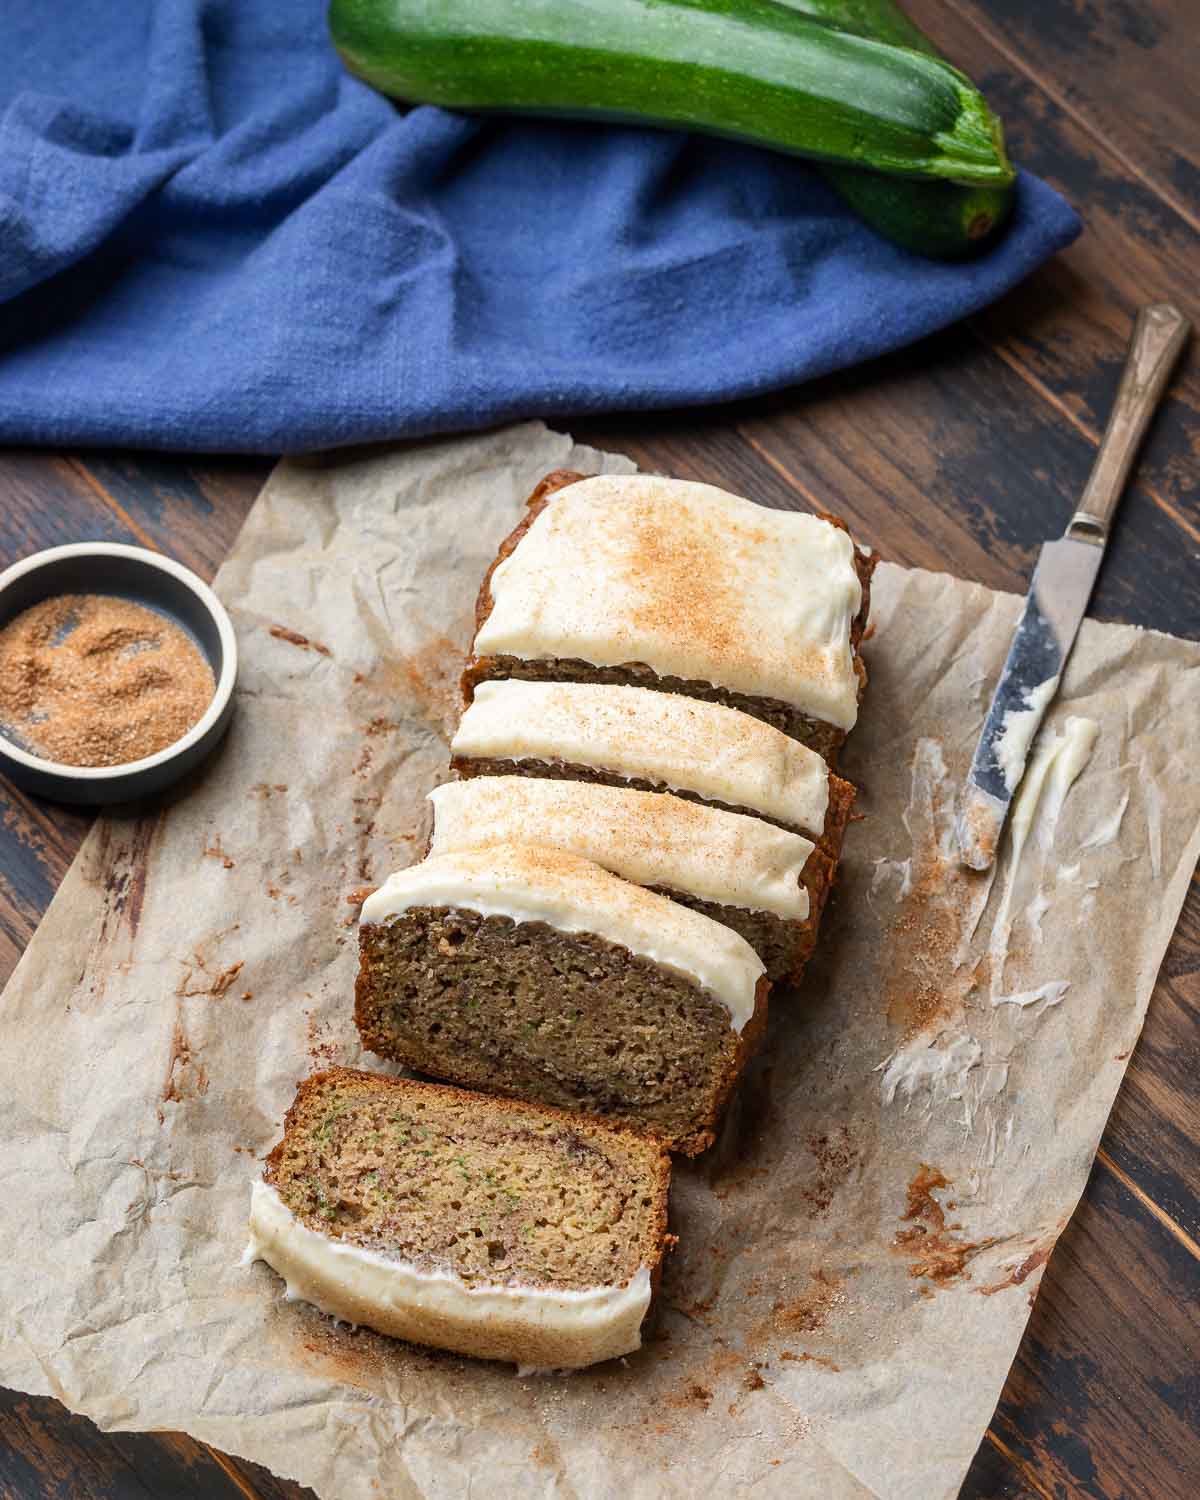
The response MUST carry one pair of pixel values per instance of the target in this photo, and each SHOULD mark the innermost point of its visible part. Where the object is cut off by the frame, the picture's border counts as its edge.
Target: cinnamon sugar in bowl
(117, 668)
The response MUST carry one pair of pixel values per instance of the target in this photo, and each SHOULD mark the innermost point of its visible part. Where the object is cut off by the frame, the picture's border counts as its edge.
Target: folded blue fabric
(211, 237)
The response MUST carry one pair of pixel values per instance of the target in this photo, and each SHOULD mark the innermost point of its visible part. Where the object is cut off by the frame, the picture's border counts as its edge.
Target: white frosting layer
(683, 743)
(1020, 725)
(689, 580)
(1056, 764)
(571, 894)
(1050, 775)
(565, 1329)
(652, 838)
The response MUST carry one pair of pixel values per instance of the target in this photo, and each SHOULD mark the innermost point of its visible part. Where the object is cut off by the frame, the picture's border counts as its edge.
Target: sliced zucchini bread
(663, 583)
(535, 974)
(766, 883)
(478, 1225)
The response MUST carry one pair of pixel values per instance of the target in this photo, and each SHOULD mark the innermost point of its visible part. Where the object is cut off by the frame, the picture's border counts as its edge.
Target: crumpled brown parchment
(859, 1252)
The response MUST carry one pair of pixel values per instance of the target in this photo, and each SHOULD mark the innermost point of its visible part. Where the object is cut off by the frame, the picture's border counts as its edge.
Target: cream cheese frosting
(693, 582)
(538, 884)
(1020, 725)
(558, 1328)
(651, 838)
(686, 744)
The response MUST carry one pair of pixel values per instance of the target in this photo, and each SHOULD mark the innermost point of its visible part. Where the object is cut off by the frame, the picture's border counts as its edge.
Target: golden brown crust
(557, 479)
(820, 871)
(749, 1042)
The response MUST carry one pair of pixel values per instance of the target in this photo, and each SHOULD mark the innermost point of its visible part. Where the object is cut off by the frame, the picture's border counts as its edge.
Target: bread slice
(663, 583)
(478, 1225)
(660, 742)
(767, 884)
(535, 974)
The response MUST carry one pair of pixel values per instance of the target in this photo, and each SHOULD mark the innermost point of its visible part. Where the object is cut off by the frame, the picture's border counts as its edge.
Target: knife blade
(1059, 592)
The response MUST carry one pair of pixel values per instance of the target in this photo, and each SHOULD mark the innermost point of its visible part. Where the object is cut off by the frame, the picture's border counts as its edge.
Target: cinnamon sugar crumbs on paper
(692, 1394)
(294, 638)
(198, 979)
(1020, 1273)
(837, 1159)
(925, 937)
(937, 1255)
(812, 1359)
(430, 678)
(809, 1311)
(92, 680)
(215, 851)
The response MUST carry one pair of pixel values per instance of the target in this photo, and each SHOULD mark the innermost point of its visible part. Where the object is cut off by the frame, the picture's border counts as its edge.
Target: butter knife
(1058, 595)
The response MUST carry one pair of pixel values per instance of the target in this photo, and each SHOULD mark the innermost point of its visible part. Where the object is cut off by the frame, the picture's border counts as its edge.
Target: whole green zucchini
(754, 69)
(939, 219)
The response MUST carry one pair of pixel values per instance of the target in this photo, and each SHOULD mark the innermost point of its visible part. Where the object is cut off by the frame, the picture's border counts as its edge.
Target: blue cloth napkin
(212, 237)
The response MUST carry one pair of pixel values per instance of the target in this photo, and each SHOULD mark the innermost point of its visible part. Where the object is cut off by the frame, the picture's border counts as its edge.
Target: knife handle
(1158, 336)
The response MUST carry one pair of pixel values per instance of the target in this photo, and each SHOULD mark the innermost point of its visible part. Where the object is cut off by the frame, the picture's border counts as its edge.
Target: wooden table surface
(963, 454)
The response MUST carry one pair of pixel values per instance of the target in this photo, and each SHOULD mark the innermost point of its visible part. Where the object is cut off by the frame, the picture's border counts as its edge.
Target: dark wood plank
(946, 461)
(37, 844)
(1153, 1134)
(1103, 1401)
(45, 504)
(48, 1454)
(192, 512)
(940, 456)
(997, 1475)
(45, 1451)
(257, 1483)
(1066, 327)
(1063, 331)
(1125, 69)
(191, 508)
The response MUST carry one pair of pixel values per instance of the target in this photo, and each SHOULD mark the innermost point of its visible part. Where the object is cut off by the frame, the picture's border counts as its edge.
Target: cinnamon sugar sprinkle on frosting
(690, 581)
(684, 744)
(651, 838)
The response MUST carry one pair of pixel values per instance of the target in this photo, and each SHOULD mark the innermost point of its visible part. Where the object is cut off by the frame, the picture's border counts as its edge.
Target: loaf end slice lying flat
(477, 1225)
(663, 583)
(535, 974)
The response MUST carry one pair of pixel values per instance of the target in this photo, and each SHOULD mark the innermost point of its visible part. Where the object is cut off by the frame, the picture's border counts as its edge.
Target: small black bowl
(169, 589)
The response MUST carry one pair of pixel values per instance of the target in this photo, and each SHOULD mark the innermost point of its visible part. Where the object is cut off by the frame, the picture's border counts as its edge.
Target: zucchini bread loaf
(766, 883)
(478, 1225)
(663, 583)
(535, 974)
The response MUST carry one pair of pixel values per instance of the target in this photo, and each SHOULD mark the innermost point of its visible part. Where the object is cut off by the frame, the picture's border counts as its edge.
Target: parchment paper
(812, 1341)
